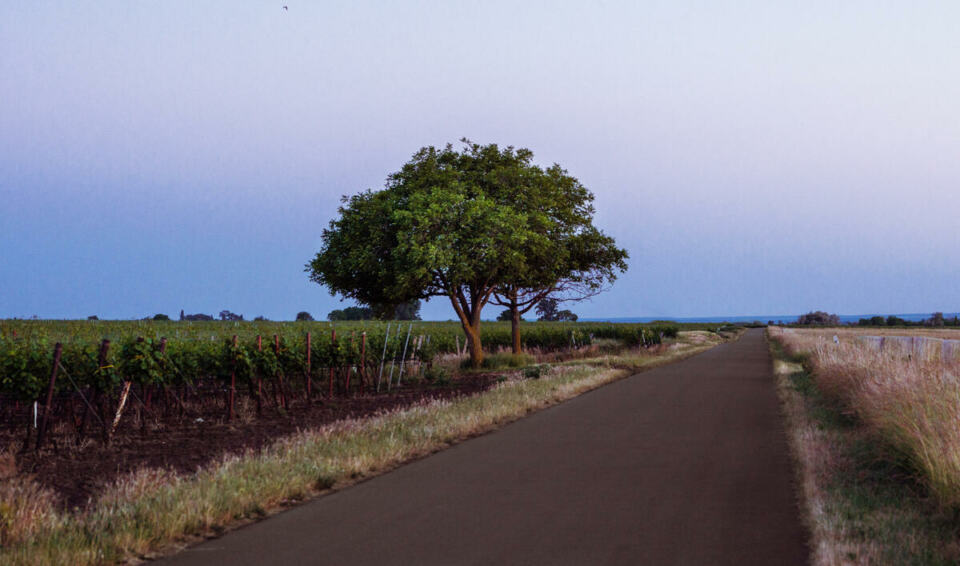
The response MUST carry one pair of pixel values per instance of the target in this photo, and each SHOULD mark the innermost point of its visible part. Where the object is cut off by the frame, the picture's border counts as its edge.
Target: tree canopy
(505, 315)
(819, 318)
(548, 311)
(409, 310)
(351, 313)
(463, 225)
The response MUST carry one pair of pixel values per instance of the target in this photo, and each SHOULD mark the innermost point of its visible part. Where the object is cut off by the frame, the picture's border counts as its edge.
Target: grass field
(875, 437)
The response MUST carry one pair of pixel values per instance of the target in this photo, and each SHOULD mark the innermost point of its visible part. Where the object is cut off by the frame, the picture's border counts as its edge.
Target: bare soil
(77, 470)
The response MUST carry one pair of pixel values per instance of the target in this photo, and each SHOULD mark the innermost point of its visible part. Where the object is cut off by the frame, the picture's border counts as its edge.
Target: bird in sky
(285, 8)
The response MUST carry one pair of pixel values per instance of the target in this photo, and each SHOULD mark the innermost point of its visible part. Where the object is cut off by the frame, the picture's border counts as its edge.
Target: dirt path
(684, 464)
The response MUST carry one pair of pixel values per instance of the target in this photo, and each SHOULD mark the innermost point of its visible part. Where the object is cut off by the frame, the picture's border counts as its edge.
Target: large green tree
(457, 224)
(580, 262)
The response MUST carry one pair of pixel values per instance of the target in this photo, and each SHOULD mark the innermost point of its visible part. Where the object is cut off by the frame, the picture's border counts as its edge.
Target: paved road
(684, 464)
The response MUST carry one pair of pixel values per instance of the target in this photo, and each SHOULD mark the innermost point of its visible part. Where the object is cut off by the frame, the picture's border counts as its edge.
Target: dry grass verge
(864, 501)
(687, 344)
(147, 512)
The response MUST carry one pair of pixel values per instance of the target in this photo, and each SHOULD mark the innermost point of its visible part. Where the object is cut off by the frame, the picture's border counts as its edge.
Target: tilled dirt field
(77, 471)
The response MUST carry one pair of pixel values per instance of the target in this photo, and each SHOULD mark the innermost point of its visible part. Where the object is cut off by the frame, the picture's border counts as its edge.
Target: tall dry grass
(910, 398)
(819, 460)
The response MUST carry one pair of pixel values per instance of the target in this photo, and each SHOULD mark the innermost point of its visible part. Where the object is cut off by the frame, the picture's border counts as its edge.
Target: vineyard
(89, 376)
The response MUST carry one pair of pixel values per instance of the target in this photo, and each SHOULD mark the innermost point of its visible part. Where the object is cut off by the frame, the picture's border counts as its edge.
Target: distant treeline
(404, 311)
(936, 319)
(821, 318)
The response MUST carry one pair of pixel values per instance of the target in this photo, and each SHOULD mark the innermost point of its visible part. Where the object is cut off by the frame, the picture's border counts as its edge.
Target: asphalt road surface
(683, 464)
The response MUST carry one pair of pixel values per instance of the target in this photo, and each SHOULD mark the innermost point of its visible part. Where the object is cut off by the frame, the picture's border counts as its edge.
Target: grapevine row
(99, 378)
(26, 359)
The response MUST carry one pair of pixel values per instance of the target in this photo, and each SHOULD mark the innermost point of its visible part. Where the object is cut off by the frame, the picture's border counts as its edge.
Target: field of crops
(86, 371)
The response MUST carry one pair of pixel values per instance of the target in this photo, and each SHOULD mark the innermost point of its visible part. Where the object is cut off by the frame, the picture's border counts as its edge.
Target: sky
(752, 157)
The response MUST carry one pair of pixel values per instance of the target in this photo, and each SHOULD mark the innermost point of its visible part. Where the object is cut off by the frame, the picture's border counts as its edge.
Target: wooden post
(147, 391)
(383, 356)
(57, 351)
(363, 361)
(125, 393)
(259, 379)
(346, 390)
(279, 376)
(233, 383)
(101, 365)
(333, 343)
(163, 386)
(308, 366)
(101, 411)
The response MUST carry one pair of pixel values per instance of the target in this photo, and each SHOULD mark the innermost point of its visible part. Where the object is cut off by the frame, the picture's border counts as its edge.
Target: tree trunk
(470, 321)
(472, 330)
(515, 327)
(476, 348)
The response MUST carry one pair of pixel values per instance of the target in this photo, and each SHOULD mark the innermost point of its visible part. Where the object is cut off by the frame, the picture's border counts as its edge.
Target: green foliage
(505, 360)
(936, 319)
(547, 311)
(305, 316)
(409, 310)
(536, 372)
(24, 370)
(432, 346)
(818, 318)
(436, 375)
(205, 350)
(462, 224)
(648, 335)
(407, 241)
(264, 362)
(235, 361)
(141, 363)
(351, 313)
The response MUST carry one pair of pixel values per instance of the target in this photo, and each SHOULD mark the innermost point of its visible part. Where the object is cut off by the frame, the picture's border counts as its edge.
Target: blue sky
(753, 157)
